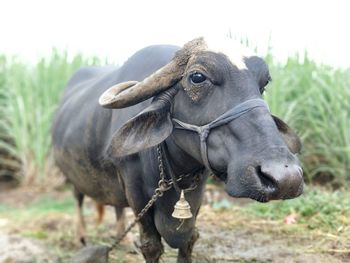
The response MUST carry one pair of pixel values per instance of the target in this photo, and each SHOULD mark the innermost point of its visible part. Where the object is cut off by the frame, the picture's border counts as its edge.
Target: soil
(226, 235)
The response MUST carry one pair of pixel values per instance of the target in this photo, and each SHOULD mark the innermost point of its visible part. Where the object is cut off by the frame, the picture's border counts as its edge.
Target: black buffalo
(165, 95)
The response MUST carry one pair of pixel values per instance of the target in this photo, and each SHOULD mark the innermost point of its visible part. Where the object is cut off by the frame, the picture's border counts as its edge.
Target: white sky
(115, 29)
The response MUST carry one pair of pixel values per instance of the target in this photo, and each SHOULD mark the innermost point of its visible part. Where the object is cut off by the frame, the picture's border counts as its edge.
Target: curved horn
(107, 99)
(120, 96)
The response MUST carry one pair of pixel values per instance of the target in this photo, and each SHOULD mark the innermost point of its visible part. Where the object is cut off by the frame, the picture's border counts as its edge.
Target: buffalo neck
(179, 161)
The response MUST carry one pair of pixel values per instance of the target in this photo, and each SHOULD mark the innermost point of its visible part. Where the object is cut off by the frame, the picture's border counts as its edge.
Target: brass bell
(182, 209)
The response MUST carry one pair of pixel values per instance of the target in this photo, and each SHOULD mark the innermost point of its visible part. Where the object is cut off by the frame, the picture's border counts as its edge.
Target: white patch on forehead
(232, 49)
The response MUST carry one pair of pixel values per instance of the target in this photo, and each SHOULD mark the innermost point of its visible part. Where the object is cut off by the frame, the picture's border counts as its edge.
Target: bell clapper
(182, 222)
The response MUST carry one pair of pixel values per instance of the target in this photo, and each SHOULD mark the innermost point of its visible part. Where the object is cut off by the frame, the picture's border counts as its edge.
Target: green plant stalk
(28, 98)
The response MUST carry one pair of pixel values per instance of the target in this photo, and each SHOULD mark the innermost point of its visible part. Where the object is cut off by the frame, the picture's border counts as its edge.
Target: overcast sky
(116, 29)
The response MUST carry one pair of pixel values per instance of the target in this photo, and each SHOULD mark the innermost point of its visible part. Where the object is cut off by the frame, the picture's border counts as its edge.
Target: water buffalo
(203, 107)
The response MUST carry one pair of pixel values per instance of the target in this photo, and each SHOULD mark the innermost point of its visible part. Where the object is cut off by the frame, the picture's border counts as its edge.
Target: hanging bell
(182, 209)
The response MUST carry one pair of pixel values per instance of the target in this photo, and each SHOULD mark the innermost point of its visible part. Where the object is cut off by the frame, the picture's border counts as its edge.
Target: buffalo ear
(147, 129)
(289, 136)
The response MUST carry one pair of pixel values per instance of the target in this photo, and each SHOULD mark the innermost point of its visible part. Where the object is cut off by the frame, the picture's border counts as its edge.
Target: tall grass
(313, 99)
(9, 164)
(29, 96)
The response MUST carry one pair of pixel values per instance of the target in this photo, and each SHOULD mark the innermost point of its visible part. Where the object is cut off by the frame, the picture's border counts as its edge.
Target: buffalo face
(254, 154)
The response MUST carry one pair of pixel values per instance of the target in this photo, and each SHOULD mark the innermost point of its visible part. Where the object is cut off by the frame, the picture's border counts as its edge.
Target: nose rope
(204, 130)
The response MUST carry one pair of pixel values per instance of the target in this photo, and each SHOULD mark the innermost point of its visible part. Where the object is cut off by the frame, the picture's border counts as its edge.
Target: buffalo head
(254, 154)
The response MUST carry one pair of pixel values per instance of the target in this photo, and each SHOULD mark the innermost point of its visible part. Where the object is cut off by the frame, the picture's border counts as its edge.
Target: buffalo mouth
(266, 182)
(222, 176)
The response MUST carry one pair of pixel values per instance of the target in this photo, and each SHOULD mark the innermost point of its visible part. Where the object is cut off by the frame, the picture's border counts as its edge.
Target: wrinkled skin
(110, 155)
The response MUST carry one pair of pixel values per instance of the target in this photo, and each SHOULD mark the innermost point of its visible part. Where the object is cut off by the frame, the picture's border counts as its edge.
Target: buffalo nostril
(266, 179)
(287, 181)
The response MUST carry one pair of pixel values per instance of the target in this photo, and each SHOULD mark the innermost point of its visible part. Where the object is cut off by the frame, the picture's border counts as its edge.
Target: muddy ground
(226, 235)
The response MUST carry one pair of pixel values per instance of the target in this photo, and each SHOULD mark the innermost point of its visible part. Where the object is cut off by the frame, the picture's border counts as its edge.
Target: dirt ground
(226, 235)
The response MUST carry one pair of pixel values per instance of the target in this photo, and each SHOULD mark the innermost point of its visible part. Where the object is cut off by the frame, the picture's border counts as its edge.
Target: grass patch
(316, 209)
(44, 205)
(49, 205)
(36, 234)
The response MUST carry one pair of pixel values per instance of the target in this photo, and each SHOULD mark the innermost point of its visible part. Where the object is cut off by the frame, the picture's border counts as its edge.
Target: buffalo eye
(197, 78)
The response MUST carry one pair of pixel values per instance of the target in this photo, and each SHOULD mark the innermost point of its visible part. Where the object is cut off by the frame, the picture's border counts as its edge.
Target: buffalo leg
(185, 252)
(80, 224)
(100, 212)
(120, 214)
(151, 245)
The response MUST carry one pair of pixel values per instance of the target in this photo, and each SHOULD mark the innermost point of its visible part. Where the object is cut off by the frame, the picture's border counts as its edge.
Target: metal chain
(160, 162)
(170, 182)
(163, 186)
